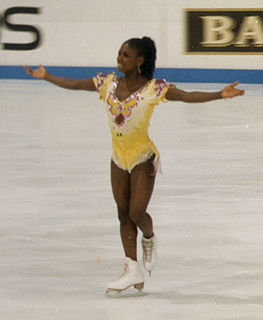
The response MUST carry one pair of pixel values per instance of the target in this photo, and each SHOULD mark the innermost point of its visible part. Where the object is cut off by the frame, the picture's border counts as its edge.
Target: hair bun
(148, 41)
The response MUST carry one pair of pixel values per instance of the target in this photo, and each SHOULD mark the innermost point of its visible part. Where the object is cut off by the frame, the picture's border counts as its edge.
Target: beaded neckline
(131, 96)
(123, 110)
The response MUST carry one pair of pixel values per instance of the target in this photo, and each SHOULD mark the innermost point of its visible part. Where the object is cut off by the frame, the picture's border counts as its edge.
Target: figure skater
(130, 101)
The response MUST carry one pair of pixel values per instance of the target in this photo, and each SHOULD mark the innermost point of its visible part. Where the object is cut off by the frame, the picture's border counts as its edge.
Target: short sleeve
(157, 91)
(160, 88)
(101, 82)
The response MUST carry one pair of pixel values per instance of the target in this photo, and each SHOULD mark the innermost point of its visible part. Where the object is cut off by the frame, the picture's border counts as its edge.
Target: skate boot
(149, 253)
(132, 276)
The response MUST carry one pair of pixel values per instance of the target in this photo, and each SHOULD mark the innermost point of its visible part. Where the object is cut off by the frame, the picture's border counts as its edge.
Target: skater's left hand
(230, 91)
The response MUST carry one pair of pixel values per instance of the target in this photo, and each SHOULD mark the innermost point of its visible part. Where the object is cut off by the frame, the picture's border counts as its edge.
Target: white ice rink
(59, 233)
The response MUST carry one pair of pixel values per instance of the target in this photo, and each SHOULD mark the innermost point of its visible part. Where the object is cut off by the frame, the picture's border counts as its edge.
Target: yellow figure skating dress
(129, 119)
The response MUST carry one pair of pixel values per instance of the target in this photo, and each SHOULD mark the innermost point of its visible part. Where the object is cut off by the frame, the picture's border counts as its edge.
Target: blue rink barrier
(170, 74)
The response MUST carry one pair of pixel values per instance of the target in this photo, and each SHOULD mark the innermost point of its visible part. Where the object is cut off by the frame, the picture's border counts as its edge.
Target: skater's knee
(123, 215)
(137, 216)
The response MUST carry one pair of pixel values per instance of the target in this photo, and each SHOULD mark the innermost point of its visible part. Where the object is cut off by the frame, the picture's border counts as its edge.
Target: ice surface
(59, 231)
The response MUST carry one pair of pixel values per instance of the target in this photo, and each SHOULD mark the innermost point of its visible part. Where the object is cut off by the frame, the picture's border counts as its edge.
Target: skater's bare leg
(132, 193)
(120, 180)
(142, 184)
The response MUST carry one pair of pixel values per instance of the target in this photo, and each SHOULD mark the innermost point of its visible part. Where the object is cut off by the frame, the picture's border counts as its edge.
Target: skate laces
(148, 248)
(125, 270)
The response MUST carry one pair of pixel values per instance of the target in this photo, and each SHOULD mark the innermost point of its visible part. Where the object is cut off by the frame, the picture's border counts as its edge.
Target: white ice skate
(149, 247)
(132, 276)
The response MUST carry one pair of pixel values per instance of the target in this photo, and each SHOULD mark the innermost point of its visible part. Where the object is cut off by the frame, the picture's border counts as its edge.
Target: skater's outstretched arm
(174, 94)
(67, 83)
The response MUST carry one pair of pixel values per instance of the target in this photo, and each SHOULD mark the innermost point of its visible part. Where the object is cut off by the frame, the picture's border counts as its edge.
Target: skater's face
(128, 59)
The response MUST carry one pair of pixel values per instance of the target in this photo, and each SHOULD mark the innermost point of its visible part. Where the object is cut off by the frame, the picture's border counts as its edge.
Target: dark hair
(146, 48)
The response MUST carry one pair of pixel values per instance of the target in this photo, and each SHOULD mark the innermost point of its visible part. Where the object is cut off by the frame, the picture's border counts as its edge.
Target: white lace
(148, 247)
(126, 270)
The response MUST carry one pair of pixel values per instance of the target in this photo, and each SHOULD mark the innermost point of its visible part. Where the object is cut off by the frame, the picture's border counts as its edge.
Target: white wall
(89, 32)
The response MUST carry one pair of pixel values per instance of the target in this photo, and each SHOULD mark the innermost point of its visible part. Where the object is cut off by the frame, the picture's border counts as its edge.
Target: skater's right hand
(39, 73)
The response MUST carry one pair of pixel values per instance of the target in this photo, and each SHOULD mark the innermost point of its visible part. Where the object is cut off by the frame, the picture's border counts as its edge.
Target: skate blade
(138, 286)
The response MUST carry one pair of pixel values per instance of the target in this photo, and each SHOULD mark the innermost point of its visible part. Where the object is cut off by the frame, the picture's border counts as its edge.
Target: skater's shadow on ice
(126, 294)
(205, 298)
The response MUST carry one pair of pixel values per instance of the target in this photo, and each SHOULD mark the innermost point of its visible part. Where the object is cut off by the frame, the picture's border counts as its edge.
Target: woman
(130, 101)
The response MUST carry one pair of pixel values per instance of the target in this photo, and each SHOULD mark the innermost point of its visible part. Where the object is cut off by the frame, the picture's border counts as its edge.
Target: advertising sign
(224, 31)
